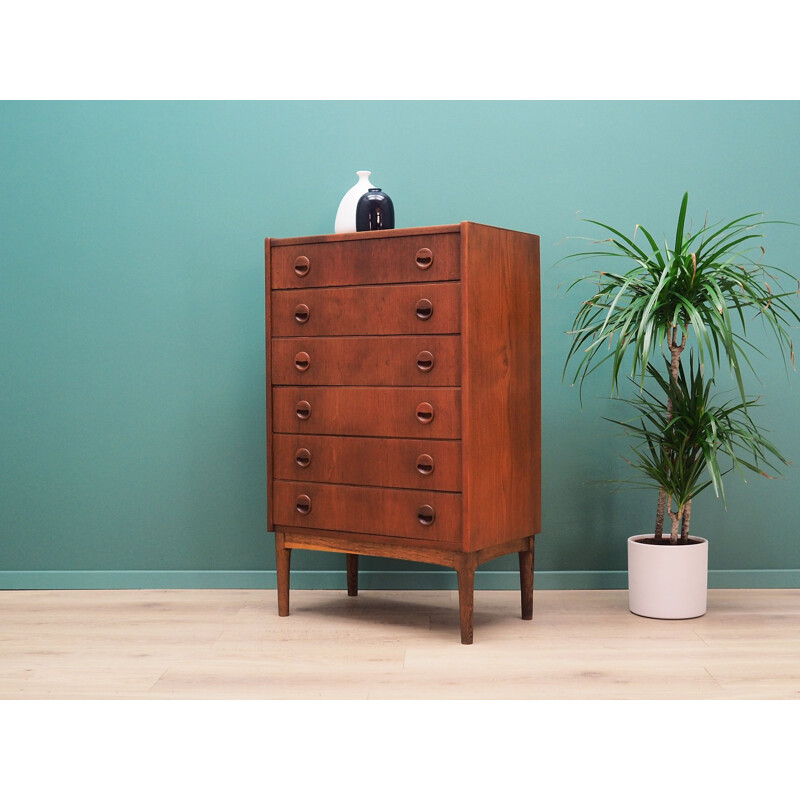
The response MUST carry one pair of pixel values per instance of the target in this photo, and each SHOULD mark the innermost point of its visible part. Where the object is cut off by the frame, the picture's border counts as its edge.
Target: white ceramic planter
(668, 582)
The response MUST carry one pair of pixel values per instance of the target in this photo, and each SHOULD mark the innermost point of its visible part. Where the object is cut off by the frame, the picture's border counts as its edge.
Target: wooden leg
(465, 568)
(526, 580)
(283, 556)
(352, 574)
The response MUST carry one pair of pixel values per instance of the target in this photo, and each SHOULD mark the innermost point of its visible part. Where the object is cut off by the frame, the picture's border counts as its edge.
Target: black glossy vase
(374, 211)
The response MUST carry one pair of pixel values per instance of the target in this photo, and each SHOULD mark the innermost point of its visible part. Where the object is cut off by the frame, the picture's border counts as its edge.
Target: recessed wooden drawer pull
(424, 309)
(303, 409)
(301, 314)
(303, 504)
(302, 457)
(426, 515)
(302, 361)
(425, 361)
(425, 413)
(425, 464)
(424, 258)
(301, 266)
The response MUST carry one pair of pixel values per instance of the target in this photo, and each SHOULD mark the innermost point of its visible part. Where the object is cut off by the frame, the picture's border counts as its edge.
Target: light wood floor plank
(164, 644)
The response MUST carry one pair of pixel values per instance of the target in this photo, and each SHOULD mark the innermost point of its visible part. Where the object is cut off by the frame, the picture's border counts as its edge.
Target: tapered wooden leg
(526, 580)
(283, 556)
(352, 574)
(465, 568)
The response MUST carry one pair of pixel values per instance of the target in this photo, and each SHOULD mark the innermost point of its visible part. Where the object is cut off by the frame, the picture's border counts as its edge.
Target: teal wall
(131, 317)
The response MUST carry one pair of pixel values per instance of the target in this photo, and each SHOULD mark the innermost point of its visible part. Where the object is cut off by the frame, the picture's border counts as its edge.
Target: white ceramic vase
(667, 581)
(346, 215)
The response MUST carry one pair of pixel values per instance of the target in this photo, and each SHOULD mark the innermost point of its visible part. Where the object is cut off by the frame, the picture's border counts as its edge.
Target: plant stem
(675, 350)
(662, 502)
(687, 513)
(675, 516)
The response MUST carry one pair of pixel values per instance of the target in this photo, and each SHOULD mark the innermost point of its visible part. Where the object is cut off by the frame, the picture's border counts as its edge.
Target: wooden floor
(392, 645)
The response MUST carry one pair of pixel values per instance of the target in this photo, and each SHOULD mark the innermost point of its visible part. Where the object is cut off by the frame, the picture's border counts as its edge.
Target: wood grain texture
(388, 512)
(429, 552)
(367, 310)
(526, 581)
(375, 236)
(348, 262)
(347, 366)
(466, 564)
(368, 361)
(283, 556)
(268, 356)
(423, 550)
(504, 548)
(368, 461)
(367, 411)
(501, 403)
(231, 644)
(352, 574)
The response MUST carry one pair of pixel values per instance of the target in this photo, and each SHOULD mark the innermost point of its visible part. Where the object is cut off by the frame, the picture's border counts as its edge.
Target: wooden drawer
(367, 310)
(399, 463)
(367, 361)
(401, 259)
(357, 509)
(418, 413)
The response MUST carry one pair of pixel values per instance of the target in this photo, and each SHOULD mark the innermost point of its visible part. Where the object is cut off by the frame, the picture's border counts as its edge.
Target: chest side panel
(501, 401)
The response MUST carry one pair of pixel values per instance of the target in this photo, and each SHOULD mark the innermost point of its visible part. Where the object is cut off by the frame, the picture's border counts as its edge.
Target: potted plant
(697, 295)
(702, 440)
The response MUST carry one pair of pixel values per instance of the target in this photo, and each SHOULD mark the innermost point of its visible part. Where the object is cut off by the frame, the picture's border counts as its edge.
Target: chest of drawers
(403, 400)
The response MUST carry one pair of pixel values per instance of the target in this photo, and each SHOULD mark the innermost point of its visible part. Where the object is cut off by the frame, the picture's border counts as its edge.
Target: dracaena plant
(699, 291)
(703, 439)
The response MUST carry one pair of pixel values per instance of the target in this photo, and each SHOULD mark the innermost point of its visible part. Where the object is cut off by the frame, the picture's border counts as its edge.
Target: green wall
(131, 317)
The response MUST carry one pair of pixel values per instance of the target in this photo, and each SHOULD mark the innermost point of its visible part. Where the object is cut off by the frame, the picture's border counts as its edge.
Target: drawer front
(418, 413)
(367, 361)
(403, 259)
(400, 463)
(407, 513)
(367, 310)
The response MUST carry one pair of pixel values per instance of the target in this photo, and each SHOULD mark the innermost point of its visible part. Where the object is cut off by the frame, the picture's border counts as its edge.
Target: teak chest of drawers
(403, 399)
